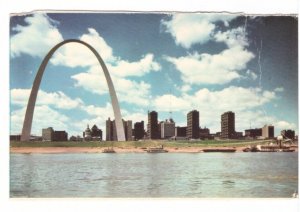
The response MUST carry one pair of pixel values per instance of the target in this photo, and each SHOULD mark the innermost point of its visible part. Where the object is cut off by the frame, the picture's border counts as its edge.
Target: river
(183, 175)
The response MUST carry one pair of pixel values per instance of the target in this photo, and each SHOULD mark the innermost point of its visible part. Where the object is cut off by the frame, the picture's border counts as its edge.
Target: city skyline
(224, 62)
(166, 129)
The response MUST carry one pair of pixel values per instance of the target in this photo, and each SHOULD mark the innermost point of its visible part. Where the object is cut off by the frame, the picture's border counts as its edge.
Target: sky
(168, 62)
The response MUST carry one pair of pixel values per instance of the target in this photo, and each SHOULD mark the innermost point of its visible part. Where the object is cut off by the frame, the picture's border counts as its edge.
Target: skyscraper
(128, 130)
(109, 130)
(192, 130)
(152, 126)
(111, 133)
(268, 131)
(139, 130)
(228, 125)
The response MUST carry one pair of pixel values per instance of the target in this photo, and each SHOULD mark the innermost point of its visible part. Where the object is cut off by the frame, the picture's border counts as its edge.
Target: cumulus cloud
(219, 68)
(284, 125)
(77, 55)
(44, 117)
(169, 102)
(245, 102)
(56, 99)
(137, 68)
(188, 29)
(36, 38)
(279, 89)
(233, 37)
(129, 91)
(251, 74)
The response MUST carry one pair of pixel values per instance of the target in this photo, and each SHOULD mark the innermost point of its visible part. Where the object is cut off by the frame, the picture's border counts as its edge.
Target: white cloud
(219, 68)
(36, 38)
(245, 102)
(139, 68)
(284, 125)
(129, 91)
(135, 117)
(185, 88)
(77, 55)
(43, 117)
(57, 99)
(103, 112)
(188, 29)
(279, 89)
(233, 37)
(251, 74)
(169, 102)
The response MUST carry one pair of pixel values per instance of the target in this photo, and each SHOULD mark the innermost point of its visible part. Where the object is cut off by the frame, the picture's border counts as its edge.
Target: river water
(201, 175)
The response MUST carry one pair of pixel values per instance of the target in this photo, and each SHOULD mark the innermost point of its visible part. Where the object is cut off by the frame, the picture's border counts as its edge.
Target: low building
(60, 136)
(180, 132)
(167, 128)
(87, 134)
(288, 134)
(238, 135)
(253, 133)
(204, 133)
(48, 134)
(15, 137)
(96, 132)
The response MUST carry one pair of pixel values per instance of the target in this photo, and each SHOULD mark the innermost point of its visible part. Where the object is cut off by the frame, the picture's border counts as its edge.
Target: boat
(108, 150)
(219, 150)
(156, 150)
(288, 150)
(250, 149)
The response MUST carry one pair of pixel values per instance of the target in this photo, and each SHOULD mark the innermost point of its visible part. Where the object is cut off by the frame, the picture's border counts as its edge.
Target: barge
(219, 150)
(156, 150)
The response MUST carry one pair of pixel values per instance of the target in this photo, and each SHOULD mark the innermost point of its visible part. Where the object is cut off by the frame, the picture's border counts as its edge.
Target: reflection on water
(154, 175)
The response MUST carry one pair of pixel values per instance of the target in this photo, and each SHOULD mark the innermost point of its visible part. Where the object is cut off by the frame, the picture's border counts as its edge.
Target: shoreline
(56, 150)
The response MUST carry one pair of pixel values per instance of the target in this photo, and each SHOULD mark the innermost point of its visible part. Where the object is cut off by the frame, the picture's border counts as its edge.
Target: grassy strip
(140, 144)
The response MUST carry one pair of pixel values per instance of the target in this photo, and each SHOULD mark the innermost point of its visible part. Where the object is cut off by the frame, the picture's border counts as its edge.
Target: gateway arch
(26, 130)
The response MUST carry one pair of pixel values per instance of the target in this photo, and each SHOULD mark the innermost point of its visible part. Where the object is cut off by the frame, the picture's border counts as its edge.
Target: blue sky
(165, 62)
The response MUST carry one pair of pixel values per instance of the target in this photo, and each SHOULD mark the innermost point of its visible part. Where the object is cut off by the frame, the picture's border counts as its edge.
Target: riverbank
(49, 150)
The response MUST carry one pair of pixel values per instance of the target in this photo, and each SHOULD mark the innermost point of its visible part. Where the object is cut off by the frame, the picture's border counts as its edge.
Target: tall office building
(139, 130)
(152, 126)
(167, 129)
(268, 131)
(111, 133)
(192, 130)
(128, 129)
(228, 125)
(110, 130)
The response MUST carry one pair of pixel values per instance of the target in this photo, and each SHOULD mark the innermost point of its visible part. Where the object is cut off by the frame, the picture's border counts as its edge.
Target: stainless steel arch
(37, 81)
